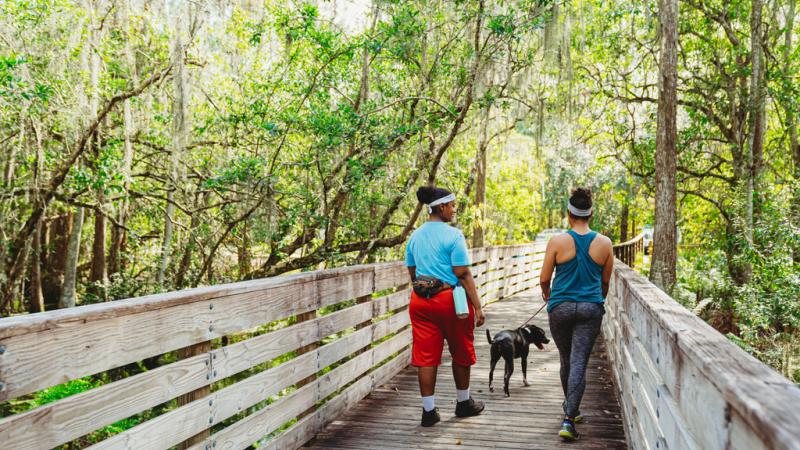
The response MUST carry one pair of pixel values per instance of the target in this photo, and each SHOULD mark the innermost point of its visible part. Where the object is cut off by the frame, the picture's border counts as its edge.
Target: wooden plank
(391, 302)
(742, 436)
(650, 380)
(646, 415)
(237, 397)
(263, 422)
(703, 407)
(180, 424)
(38, 360)
(389, 275)
(75, 350)
(34, 323)
(670, 420)
(306, 428)
(70, 418)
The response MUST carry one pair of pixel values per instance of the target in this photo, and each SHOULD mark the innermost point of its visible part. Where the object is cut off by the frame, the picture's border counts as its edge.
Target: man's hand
(479, 317)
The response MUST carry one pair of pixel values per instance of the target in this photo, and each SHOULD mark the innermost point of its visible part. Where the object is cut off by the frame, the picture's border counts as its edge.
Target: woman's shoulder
(560, 238)
(603, 239)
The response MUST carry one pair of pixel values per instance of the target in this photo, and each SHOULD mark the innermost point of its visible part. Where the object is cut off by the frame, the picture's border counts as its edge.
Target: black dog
(512, 344)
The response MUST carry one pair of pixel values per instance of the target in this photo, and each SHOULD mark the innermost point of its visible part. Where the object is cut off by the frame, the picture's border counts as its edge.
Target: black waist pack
(426, 286)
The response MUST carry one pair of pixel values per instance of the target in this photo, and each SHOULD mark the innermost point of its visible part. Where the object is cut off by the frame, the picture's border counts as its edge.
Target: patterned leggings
(575, 326)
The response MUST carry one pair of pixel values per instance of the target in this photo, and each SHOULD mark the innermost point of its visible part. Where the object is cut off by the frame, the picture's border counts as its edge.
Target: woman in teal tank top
(583, 261)
(578, 279)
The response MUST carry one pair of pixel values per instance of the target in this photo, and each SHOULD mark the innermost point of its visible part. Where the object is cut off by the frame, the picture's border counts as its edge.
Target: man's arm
(464, 275)
(412, 272)
(548, 265)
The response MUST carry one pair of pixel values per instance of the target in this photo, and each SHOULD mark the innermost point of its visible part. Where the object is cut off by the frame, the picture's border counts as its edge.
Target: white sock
(427, 403)
(462, 394)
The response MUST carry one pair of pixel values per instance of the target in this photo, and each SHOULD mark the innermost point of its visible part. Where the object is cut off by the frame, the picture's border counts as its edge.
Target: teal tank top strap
(582, 242)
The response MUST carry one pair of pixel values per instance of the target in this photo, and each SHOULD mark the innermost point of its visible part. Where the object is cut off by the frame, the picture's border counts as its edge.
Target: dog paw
(491, 389)
(526, 383)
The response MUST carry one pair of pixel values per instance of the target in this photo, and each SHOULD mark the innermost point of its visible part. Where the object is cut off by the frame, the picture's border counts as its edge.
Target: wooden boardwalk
(389, 417)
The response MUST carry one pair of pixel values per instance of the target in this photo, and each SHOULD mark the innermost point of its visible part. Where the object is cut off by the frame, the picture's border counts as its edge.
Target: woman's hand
(479, 317)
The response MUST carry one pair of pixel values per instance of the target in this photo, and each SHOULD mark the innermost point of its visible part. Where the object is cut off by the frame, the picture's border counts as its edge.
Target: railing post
(188, 352)
(311, 315)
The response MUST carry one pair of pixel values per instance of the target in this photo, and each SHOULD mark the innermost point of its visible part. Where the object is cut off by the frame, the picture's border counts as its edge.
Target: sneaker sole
(567, 436)
(470, 415)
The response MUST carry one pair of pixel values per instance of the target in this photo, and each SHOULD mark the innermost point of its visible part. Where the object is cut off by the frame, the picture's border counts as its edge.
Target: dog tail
(489, 337)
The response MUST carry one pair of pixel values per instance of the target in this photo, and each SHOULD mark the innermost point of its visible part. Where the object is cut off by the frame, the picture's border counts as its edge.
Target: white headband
(439, 201)
(579, 212)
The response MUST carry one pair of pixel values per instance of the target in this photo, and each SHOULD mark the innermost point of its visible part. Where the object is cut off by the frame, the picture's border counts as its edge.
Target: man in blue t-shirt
(439, 250)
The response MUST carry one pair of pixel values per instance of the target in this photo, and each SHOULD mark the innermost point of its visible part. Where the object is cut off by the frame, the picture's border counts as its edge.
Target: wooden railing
(627, 251)
(338, 333)
(683, 385)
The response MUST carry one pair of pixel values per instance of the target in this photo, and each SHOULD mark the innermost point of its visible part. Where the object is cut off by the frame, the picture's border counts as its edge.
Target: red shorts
(434, 320)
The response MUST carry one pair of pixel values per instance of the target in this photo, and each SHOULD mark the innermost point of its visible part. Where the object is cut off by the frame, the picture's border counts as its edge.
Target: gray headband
(579, 212)
(439, 201)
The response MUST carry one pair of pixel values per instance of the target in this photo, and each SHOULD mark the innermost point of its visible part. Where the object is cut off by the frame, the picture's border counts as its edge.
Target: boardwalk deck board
(389, 417)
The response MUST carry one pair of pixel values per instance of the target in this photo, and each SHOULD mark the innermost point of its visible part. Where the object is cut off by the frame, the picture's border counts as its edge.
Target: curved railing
(627, 251)
(270, 360)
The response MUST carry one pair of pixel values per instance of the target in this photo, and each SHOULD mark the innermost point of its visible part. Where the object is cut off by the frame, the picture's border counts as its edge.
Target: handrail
(346, 329)
(626, 251)
(682, 384)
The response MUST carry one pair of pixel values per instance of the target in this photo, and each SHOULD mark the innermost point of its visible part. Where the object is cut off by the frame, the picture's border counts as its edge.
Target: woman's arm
(464, 275)
(412, 272)
(608, 267)
(548, 265)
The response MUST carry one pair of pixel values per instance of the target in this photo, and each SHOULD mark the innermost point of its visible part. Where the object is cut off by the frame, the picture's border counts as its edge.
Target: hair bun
(425, 194)
(581, 198)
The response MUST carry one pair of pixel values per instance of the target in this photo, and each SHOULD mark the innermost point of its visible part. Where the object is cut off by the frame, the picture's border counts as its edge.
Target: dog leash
(534, 315)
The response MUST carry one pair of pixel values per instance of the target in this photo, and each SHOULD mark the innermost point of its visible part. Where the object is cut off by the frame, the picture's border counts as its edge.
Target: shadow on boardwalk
(389, 417)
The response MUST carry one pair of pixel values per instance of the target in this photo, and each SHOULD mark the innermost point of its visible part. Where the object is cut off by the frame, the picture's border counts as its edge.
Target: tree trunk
(186, 261)
(244, 257)
(791, 122)
(97, 275)
(55, 259)
(118, 234)
(623, 222)
(551, 35)
(662, 272)
(791, 112)
(179, 129)
(746, 171)
(67, 299)
(757, 124)
(480, 181)
(115, 250)
(35, 284)
(8, 176)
